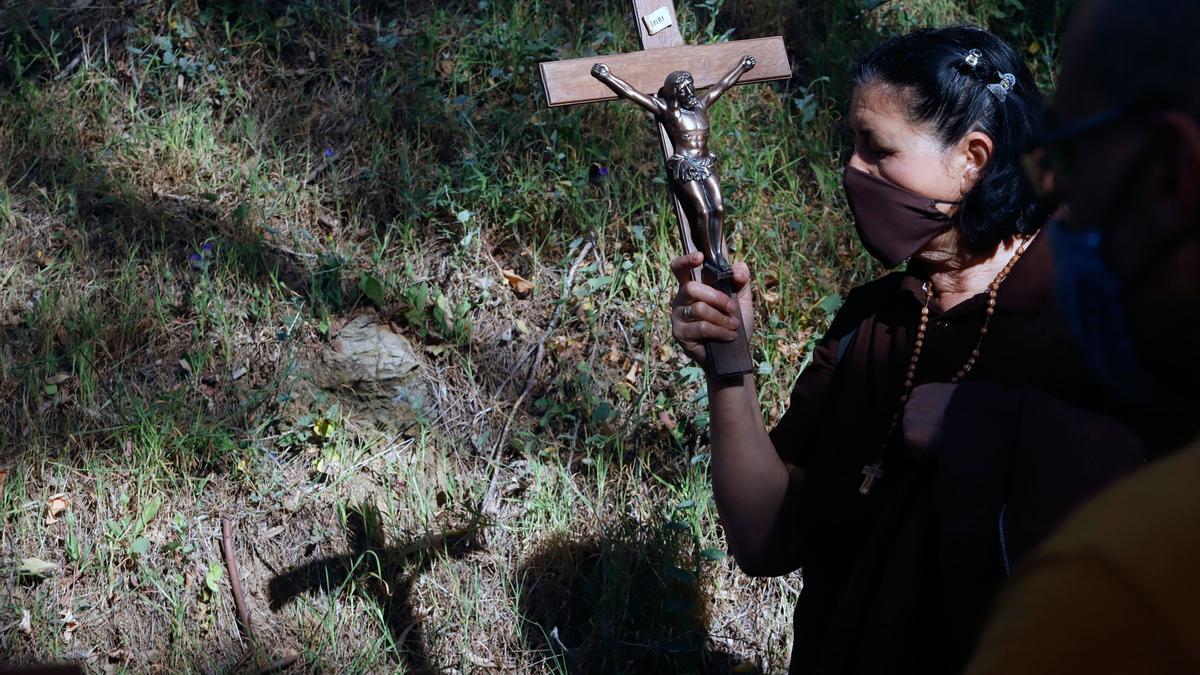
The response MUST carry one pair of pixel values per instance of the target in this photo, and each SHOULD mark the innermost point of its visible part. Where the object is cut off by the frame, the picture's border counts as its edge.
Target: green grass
(192, 207)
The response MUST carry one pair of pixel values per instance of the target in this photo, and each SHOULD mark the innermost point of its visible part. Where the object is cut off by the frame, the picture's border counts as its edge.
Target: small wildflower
(329, 153)
(198, 262)
(207, 248)
(597, 173)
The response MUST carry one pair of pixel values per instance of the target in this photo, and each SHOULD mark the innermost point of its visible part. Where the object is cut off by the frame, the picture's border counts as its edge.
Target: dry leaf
(56, 505)
(519, 285)
(37, 567)
(26, 625)
(480, 662)
(3, 477)
(69, 625)
(665, 353)
(58, 379)
(667, 420)
(632, 376)
(791, 351)
(446, 67)
(565, 347)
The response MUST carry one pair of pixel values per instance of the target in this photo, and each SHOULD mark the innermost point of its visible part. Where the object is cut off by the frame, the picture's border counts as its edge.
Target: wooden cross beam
(571, 82)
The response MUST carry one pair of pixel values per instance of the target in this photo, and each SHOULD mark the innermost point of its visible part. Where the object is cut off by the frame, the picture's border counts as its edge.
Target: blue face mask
(1089, 295)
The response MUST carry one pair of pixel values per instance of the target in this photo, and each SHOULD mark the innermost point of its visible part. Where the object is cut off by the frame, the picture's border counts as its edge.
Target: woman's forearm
(750, 481)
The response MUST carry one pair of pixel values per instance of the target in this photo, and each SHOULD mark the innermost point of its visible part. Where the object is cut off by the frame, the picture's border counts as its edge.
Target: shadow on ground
(385, 574)
(627, 603)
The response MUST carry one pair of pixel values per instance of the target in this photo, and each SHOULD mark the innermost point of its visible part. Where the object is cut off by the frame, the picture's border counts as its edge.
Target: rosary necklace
(873, 472)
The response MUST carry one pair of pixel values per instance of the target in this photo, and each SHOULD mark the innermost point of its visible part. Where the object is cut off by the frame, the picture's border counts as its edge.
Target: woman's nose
(858, 162)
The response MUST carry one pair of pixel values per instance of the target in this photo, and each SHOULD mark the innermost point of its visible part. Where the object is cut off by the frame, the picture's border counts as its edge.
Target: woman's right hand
(712, 315)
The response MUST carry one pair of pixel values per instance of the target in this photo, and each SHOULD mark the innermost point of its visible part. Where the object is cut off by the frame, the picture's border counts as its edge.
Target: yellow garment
(1115, 590)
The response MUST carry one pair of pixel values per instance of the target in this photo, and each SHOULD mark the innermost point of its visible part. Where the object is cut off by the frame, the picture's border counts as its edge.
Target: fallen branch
(491, 499)
(235, 581)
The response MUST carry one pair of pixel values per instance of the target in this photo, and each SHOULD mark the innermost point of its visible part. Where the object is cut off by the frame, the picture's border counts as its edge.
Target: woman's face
(888, 145)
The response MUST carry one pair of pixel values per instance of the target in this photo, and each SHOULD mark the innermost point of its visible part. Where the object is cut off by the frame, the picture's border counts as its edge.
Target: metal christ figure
(692, 169)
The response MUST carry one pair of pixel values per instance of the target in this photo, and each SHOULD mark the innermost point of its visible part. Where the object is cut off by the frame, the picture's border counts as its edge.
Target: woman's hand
(700, 312)
(925, 417)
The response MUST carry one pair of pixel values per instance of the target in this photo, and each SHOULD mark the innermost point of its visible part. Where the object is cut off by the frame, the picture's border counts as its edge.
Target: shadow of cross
(387, 575)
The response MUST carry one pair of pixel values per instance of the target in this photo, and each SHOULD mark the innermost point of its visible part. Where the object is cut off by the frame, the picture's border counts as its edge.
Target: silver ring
(687, 313)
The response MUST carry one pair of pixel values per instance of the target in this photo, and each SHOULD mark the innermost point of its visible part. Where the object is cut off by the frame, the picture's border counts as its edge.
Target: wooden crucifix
(676, 71)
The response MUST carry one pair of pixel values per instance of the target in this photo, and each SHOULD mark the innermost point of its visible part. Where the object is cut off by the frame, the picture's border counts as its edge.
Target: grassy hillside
(196, 199)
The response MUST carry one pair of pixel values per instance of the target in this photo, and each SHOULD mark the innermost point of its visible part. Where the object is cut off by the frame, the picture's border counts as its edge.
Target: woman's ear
(974, 151)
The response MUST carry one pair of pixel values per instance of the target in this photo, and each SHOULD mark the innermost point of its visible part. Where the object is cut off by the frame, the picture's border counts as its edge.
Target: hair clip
(973, 57)
(1001, 88)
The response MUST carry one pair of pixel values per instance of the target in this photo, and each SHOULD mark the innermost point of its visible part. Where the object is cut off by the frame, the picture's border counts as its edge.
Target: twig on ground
(280, 664)
(490, 498)
(70, 68)
(235, 581)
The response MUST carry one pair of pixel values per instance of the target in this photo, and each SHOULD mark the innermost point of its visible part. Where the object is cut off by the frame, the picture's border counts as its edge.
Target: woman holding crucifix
(947, 422)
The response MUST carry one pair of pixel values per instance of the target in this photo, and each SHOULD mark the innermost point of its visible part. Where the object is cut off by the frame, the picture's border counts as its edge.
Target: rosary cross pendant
(871, 473)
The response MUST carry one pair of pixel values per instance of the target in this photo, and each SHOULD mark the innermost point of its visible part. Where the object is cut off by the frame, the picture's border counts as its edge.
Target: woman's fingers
(699, 311)
(699, 330)
(702, 313)
(741, 275)
(682, 266)
(696, 292)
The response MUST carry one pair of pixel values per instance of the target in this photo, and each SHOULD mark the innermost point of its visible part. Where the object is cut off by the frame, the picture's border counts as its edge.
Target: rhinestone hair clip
(1005, 85)
(1000, 88)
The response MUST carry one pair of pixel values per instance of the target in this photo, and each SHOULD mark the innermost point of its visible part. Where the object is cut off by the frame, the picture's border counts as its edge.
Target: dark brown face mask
(892, 222)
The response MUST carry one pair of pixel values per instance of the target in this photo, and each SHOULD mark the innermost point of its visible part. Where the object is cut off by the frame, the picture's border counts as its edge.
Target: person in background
(946, 422)
(1117, 588)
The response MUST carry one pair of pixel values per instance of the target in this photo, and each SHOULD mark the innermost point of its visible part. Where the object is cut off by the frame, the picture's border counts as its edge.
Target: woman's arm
(623, 89)
(751, 483)
(754, 488)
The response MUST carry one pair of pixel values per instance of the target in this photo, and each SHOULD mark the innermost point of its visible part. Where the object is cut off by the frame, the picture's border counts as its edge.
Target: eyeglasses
(1052, 159)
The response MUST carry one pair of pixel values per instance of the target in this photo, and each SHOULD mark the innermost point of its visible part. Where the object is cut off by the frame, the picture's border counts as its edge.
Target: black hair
(947, 88)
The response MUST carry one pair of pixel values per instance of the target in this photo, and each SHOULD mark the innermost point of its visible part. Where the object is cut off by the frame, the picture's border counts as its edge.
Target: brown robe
(899, 581)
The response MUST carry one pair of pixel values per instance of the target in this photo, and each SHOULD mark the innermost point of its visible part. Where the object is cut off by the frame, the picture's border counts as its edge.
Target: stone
(374, 373)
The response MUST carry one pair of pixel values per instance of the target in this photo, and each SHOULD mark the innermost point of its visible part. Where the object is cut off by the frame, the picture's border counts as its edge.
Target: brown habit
(900, 580)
